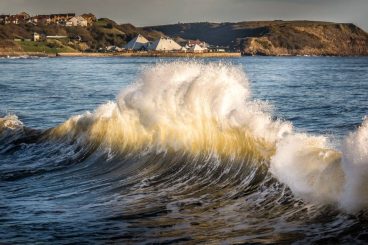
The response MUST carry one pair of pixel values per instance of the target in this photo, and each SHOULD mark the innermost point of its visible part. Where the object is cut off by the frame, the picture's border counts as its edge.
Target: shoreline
(124, 54)
(20, 54)
(156, 54)
(153, 54)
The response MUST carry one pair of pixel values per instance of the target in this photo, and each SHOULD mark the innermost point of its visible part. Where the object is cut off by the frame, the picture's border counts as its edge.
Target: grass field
(49, 47)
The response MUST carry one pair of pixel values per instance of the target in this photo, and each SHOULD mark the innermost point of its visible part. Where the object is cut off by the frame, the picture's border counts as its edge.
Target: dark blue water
(318, 94)
(58, 189)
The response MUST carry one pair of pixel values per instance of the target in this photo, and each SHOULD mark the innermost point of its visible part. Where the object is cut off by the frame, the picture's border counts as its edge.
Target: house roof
(196, 47)
(24, 14)
(62, 15)
(136, 43)
(77, 18)
(164, 43)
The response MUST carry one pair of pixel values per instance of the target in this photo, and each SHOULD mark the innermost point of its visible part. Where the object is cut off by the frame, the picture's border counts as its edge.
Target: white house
(113, 48)
(137, 43)
(196, 49)
(36, 37)
(164, 44)
(77, 21)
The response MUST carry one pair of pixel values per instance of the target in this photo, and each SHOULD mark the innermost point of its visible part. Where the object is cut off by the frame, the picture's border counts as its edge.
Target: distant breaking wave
(194, 111)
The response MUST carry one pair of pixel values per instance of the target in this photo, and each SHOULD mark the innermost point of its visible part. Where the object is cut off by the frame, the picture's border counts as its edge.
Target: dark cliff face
(276, 37)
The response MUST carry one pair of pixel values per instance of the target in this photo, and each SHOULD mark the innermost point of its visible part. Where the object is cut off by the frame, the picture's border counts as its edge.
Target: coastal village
(68, 19)
(70, 34)
(136, 46)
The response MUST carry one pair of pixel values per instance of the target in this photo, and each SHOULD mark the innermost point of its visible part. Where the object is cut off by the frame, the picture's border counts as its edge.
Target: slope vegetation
(276, 37)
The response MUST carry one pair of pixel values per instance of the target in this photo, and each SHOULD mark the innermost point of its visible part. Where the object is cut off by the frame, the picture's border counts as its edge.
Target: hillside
(102, 33)
(275, 37)
(251, 38)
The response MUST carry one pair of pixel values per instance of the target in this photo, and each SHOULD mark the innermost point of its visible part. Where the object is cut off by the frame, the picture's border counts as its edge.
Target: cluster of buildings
(68, 19)
(140, 43)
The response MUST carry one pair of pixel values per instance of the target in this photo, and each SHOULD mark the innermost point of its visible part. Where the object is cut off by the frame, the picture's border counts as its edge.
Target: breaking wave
(195, 108)
(193, 113)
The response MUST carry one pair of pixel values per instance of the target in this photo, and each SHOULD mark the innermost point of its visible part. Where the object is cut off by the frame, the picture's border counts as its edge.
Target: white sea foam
(309, 166)
(355, 166)
(184, 106)
(10, 122)
(316, 172)
(201, 108)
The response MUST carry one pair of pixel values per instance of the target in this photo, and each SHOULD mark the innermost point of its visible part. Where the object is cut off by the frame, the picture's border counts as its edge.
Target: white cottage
(164, 44)
(36, 37)
(77, 21)
(196, 49)
(137, 43)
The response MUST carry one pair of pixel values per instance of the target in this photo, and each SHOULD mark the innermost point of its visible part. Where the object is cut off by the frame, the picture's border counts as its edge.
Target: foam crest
(178, 95)
(185, 106)
(315, 171)
(201, 108)
(309, 166)
(355, 165)
(10, 122)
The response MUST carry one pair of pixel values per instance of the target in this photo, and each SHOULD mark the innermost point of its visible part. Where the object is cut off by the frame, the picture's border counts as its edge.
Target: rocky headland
(276, 37)
(271, 38)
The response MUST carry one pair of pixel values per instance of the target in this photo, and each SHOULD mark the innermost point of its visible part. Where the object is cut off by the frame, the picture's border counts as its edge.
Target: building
(15, 19)
(56, 37)
(113, 49)
(4, 18)
(197, 42)
(61, 19)
(23, 15)
(19, 18)
(90, 18)
(41, 19)
(36, 37)
(12, 20)
(77, 21)
(217, 49)
(137, 43)
(67, 19)
(196, 49)
(164, 44)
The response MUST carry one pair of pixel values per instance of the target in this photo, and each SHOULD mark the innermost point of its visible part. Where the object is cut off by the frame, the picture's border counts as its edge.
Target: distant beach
(124, 54)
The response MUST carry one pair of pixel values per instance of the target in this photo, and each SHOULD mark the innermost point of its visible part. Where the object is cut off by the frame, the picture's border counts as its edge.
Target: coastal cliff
(276, 37)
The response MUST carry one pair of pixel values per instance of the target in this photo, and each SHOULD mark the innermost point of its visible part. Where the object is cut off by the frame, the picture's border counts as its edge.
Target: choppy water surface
(256, 149)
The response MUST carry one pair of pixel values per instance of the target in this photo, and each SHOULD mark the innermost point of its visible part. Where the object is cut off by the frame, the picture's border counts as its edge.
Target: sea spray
(309, 167)
(355, 166)
(184, 106)
(10, 122)
(201, 110)
(316, 172)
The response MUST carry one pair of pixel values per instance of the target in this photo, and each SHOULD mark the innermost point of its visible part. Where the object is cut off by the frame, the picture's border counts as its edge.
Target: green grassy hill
(251, 38)
(102, 33)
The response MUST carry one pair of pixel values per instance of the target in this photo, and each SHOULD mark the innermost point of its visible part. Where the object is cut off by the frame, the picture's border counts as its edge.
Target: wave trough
(201, 121)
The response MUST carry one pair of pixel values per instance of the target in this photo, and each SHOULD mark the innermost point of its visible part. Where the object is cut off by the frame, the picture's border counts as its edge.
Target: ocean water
(148, 150)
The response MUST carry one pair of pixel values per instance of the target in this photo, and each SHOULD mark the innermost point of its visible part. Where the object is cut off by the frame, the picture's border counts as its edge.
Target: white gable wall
(136, 43)
(164, 44)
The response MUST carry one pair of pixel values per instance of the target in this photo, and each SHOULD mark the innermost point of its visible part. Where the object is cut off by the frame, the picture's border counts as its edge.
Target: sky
(156, 12)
